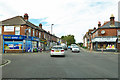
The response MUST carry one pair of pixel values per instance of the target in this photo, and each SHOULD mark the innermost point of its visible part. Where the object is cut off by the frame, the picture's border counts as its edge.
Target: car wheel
(51, 55)
(63, 55)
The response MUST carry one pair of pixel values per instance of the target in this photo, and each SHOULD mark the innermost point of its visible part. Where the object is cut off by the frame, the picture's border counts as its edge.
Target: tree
(69, 38)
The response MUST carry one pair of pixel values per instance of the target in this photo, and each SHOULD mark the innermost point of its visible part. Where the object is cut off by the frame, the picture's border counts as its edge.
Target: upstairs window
(39, 34)
(36, 33)
(17, 30)
(33, 32)
(29, 32)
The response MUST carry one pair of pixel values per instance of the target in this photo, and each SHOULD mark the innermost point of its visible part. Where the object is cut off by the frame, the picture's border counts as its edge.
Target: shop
(13, 43)
(105, 44)
(43, 43)
(27, 44)
(35, 44)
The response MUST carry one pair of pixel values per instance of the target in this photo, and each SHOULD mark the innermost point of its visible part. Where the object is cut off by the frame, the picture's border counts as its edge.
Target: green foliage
(84, 47)
(69, 38)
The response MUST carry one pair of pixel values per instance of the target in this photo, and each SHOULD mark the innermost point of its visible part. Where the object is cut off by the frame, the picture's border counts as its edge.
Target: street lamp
(51, 34)
(51, 28)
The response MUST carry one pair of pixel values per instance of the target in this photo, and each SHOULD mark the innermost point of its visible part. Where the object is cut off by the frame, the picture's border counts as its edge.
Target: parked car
(72, 45)
(69, 47)
(64, 46)
(75, 49)
(57, 51)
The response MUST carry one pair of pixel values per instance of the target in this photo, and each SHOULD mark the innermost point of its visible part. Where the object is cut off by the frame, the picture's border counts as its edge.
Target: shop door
(28, 46)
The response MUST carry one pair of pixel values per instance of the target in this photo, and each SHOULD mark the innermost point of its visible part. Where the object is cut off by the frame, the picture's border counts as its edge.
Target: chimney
(26, 17)
(112, 21)
(99, 24)
(94, 28)
(40, 25)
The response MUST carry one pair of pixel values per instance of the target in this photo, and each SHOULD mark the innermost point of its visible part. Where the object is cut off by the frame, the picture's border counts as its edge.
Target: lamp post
(51, 34)
(51, 28)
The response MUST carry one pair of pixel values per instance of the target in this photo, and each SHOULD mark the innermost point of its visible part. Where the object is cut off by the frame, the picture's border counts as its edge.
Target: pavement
(87, 50)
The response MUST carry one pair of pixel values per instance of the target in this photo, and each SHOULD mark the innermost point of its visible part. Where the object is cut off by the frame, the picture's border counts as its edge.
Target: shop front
(13, 43)
(43, 43)
(35, 44)
(104, 44)
(28, 44)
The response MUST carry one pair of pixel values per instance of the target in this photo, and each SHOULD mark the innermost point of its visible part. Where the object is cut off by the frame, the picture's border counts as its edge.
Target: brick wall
(108, 32)
(1, 43)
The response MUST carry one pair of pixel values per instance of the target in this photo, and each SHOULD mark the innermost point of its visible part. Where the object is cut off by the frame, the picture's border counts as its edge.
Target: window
(0, 30)
(33, 32)
(44, 36)
(39, 34)
(17, 30)
(36, 33)
(29, 32)
(13, 45)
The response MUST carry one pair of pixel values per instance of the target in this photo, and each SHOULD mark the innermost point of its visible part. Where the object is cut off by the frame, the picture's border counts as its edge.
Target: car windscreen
(75, 47)
(57, 48)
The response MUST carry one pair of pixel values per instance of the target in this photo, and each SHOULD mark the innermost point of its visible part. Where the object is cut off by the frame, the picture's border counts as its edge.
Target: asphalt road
(73, 65)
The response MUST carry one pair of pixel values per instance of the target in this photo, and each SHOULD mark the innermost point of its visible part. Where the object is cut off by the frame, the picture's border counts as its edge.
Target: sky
(73, 17)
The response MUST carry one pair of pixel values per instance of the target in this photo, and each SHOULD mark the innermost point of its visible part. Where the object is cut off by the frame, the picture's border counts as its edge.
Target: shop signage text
(12, 37)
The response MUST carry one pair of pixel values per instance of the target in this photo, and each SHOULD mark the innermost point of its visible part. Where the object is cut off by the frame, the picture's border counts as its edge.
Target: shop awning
(102, 39)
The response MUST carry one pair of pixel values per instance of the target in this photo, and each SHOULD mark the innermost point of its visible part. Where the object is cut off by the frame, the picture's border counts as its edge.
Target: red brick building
(105, 37)
(19, 35)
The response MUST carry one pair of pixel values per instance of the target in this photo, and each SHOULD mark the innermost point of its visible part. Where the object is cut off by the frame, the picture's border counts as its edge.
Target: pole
(51, 33)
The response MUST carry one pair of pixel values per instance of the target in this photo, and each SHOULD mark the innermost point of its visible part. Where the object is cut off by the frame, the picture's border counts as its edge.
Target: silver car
(75, 49)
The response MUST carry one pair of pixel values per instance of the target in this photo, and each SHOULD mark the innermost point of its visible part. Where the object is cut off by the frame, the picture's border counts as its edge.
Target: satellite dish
(102, 32)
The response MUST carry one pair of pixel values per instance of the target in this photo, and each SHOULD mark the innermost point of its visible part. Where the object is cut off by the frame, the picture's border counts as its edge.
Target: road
(73, 65)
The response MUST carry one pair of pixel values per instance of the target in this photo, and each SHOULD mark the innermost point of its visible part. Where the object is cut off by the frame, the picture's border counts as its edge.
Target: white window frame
(29, 32)
(39, 34)
(44, 36)
(17, 32)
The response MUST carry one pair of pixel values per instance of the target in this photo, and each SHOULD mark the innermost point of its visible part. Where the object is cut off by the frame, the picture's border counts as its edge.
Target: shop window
(34, 46)
(106, 46)
(110, 46)
(17, 30)
(12, 45)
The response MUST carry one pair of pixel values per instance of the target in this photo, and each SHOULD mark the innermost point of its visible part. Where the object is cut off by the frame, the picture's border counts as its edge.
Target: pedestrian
(102, 49)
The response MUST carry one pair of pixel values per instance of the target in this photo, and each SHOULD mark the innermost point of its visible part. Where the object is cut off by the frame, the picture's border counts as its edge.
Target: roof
(18, 20)
(107, 25)
(13, 21)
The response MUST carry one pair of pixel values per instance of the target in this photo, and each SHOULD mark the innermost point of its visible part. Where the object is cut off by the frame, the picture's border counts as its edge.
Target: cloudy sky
(68, 16)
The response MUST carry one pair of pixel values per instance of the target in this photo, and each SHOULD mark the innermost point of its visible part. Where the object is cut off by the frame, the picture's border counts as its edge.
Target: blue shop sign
(35, 39)
(28, 38)
(13, 37)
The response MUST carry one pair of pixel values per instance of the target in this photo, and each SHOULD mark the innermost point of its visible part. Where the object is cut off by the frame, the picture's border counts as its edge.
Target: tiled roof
(19, 20)
(13, 21)
(107, 25)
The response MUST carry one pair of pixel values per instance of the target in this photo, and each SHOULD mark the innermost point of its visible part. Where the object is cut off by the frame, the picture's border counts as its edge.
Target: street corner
(5, 62)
